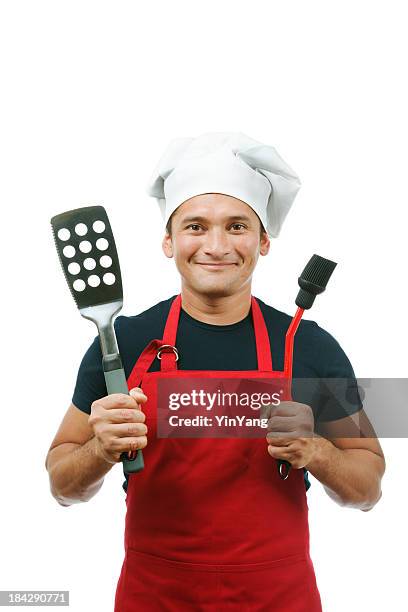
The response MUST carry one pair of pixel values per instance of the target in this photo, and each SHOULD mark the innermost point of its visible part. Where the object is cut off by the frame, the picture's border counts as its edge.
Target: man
(209, 522)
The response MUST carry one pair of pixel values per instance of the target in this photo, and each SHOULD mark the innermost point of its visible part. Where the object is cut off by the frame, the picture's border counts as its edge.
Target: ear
(167, 246)
(265, 244)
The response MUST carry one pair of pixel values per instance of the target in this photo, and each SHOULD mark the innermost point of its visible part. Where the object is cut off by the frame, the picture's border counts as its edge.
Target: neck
(224, 310)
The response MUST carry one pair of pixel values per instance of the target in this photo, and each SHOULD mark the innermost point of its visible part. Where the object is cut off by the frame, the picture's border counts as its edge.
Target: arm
(350, 469)
(85, 448)
(75, 466)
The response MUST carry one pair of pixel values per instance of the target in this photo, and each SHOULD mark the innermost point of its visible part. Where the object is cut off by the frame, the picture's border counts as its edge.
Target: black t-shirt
(203, 346)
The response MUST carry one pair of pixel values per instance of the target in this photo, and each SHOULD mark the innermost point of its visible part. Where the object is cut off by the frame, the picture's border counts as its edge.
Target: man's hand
(290, 432)
(118, 424)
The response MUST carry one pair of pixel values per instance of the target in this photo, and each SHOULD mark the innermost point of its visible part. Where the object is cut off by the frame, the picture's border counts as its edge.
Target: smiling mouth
(218, 265)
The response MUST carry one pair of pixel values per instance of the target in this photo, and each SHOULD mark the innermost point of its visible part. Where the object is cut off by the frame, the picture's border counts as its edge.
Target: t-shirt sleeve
(90, 384)
(338, 394)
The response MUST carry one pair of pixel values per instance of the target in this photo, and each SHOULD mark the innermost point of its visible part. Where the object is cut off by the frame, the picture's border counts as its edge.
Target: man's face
(216, 242)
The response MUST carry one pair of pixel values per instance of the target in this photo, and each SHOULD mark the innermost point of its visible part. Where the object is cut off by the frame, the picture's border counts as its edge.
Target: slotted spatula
(87, 252)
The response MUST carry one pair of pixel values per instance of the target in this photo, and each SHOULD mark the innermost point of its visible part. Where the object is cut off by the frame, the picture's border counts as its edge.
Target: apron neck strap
(263, 348)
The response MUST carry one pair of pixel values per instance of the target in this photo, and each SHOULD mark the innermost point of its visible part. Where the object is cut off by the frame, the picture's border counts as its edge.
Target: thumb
(138, 395)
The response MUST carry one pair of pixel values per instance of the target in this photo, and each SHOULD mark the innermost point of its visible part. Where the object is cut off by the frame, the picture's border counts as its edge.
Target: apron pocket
(155, 584)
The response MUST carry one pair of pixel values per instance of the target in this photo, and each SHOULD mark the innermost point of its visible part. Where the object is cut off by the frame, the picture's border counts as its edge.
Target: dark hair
(168, 227)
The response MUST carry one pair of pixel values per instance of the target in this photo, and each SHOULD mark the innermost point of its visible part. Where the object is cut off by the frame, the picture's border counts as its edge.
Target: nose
(217, 243)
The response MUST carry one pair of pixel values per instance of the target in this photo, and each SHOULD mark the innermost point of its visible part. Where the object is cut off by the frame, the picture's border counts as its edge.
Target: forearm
(352, 477)
(78, 475)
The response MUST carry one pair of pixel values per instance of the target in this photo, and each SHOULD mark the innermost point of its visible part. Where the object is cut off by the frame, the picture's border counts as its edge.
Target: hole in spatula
(85, 246)
(69, 251)
(98, 227)
(109, 278)
(102, 244)
(74, 268)
(105, 261)
(64, 234)
(79, 284)
(94, 280)
(89, 263)
(81, 229)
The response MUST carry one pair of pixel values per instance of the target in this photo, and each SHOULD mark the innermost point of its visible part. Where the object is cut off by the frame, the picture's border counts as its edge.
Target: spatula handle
(116, 383)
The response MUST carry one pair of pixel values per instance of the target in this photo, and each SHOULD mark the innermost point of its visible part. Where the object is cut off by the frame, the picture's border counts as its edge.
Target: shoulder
(147, 324)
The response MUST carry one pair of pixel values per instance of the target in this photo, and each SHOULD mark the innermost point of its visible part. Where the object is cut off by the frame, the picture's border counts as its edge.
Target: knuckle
(137, 443)
(307, 426)
(140, 416)
(122, 401)
(96, 407)
(309, 413)
(142, 441)
(94, 418)
(104, 428)
(137, 429)
(101, 431)
(126, 414)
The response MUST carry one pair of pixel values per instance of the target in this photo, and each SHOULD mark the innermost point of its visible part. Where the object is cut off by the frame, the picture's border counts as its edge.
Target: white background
(91, 94)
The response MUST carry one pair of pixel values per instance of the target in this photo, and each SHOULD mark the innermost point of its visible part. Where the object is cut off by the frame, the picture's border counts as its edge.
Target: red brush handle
(289, 339)
(284, 467)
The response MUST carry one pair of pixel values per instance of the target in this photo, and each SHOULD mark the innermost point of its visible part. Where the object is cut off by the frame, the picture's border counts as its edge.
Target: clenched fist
(118, 424)
(291, 432)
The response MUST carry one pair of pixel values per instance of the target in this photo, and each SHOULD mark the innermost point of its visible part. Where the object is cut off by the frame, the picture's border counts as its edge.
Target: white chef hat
(229, 163)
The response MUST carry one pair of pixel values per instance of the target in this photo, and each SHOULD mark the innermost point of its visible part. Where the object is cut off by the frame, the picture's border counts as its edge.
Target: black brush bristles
(313, 280)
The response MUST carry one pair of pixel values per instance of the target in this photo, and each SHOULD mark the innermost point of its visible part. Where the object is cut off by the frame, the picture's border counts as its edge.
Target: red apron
(210, 525)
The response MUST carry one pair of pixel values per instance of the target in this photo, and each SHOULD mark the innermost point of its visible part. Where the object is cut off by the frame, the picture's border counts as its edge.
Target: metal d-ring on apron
(164, 346)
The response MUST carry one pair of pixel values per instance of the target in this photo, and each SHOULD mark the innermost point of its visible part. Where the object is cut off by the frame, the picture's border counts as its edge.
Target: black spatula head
(313, 280)
(87, 252)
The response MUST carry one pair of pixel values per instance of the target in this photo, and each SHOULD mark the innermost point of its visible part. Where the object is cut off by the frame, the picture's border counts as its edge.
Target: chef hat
(229, 163)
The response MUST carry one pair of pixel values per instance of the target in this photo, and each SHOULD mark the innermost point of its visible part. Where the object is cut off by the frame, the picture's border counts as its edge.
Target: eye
(238, 226)
(194, 225)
